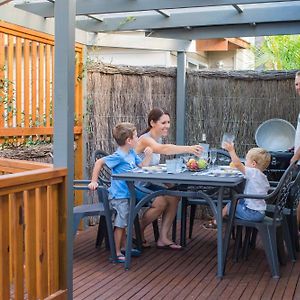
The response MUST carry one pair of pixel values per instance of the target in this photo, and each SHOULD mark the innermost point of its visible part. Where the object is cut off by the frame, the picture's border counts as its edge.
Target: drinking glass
(205, 150)
(213, 157)
(227, 138)
(171, 166)
(179, 165)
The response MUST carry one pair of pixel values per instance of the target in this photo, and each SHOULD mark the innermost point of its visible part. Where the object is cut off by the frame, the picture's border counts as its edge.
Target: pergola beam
(211, 32)
(137, 42)
(88, 7)
(205, 17)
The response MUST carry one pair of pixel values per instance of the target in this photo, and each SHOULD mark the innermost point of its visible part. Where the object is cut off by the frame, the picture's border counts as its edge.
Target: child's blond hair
(261, 156)
(122, 132)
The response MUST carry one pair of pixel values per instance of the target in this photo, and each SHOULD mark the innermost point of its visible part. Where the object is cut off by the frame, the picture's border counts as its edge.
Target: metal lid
(275, 135)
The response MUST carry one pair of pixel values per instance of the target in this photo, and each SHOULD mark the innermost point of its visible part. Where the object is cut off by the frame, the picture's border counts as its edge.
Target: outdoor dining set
(213, 186)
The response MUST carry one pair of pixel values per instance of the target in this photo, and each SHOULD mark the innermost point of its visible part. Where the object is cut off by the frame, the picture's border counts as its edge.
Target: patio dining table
(182, 182)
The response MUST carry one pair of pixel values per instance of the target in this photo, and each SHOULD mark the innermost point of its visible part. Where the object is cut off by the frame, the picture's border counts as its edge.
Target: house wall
(242, 59)
(139, 57)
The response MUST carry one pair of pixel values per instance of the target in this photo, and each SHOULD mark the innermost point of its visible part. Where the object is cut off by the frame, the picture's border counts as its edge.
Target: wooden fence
(32, 231)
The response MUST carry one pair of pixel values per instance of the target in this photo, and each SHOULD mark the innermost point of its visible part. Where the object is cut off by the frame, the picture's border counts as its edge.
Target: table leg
(220, 234)
(130, 224)
(228, 230)
(183, 222)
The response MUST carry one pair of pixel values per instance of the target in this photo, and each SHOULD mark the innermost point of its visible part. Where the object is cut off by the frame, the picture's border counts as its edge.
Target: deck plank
(186, 274)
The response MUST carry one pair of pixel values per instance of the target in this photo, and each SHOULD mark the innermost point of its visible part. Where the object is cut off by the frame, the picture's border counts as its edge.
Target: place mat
(220, 172)
(150, 169)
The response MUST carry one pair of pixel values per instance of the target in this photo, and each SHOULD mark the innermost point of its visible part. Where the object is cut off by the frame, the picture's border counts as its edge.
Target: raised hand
(228, 146)
(196, 150)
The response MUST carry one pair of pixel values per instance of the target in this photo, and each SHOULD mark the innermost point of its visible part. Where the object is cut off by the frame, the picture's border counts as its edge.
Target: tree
(278, 53)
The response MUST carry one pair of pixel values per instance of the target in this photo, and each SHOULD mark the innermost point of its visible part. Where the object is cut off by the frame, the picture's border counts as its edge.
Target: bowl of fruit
(196, 164)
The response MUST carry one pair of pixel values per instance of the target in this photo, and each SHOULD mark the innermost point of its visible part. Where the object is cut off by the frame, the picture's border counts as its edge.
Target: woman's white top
(155, 160)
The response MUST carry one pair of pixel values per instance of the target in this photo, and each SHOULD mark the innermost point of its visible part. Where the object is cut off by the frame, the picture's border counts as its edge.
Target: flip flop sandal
(120, 259)
(210, 225)
(170, 247)
(134, 252)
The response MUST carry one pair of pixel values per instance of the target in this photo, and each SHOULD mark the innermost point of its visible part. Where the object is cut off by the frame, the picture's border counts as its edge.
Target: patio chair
(101, 209)
(290, 212)
(268, 227)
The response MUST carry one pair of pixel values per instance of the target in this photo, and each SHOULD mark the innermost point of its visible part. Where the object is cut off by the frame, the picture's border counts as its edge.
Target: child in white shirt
(257, 160)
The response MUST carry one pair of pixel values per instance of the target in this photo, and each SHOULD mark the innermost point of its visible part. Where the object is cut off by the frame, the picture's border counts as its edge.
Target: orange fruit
(232, 165)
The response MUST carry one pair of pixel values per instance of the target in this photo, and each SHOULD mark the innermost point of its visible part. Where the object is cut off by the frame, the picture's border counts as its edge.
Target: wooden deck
(187, 274)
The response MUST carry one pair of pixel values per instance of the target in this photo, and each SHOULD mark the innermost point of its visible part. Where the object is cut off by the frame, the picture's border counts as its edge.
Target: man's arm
(296, 156)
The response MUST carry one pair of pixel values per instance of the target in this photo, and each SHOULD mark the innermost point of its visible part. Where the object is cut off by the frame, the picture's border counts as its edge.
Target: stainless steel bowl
(275, 135)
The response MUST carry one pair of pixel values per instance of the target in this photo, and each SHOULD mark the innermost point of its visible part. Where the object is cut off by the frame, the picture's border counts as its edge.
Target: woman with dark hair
(158, 127)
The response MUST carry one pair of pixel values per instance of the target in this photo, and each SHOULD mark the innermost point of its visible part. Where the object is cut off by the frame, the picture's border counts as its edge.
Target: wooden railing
(32, 231)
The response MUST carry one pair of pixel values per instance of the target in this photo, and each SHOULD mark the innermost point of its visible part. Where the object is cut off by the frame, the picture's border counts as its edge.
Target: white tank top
(155, 156)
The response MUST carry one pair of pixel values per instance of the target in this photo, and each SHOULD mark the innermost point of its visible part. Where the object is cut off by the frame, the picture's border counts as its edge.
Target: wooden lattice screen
(27, 85)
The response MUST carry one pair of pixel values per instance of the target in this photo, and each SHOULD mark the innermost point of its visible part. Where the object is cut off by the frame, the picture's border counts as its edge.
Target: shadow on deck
(187, 274)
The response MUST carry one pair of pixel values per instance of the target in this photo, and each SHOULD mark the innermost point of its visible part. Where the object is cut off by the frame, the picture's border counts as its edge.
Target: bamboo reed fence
(216, 102)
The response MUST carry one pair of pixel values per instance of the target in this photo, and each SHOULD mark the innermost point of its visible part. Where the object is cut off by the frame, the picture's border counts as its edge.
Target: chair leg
(184, 204)
(288, 240)
(237, 243)
(76, 221)
(109, 225)
(253, 238)
(233, 235)
(155, 230)
(138, 233)
(192, 219)
(280, 246)
(101, 232)
(246, 243)
(293, 228)
(268, 236)
(174, 229)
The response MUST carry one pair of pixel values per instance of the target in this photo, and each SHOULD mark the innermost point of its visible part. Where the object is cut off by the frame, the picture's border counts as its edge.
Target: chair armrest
(81, 181)
(273, 183)
(251, 196)
(81, 188)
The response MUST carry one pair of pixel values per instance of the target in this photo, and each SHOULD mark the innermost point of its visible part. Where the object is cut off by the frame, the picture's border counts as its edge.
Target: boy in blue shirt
(124, 159)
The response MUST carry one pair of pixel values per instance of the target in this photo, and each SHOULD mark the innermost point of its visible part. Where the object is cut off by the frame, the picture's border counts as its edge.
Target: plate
(225, 167)
(155, 169)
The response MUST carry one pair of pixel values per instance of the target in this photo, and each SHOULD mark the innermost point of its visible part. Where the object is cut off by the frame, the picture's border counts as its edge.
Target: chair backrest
(294, 194)
(104, 177)
(223, 157)
(280, 195)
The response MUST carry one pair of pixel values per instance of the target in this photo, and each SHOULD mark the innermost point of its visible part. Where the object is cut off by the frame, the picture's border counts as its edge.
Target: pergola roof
(181, 19)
